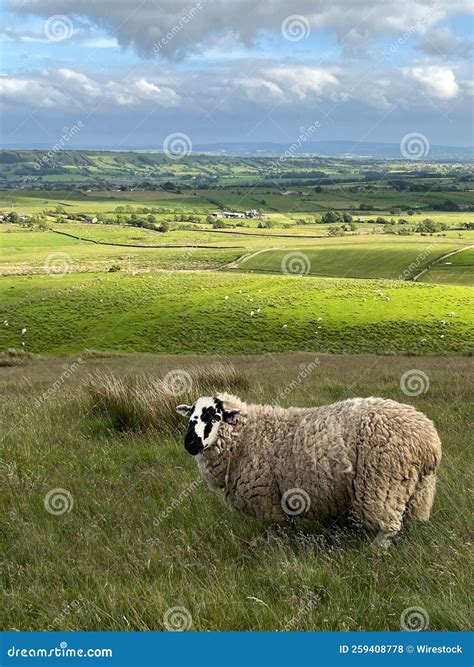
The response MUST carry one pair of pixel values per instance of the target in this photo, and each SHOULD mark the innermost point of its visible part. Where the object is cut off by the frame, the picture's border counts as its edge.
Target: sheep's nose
(192, 444)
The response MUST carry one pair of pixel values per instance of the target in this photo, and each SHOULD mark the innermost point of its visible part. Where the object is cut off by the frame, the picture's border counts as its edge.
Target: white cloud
(436, 81)
(29, 93)
(68, 89)
(301, 82)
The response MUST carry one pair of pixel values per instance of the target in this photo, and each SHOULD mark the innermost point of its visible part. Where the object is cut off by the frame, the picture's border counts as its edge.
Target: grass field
(365, 260)
(457, 269)
(27, 252)
(211, 312)
(281, 208)
(356, 256)
(145, 535)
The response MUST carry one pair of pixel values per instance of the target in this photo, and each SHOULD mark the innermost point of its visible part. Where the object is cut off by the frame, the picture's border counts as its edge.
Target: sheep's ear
(184, 410)
(231, 416)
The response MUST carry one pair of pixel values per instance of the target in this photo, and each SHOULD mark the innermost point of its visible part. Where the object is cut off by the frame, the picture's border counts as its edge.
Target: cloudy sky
(131, 72)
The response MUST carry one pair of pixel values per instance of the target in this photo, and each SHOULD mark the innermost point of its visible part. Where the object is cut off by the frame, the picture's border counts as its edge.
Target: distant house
(89, 218)
(253, 213)
(23, 216)
(236, 214)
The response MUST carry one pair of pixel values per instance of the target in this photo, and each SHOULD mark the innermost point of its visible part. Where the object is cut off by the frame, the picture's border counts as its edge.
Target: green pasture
(209, 312)
(358, 255)
(26, 252)
(301, 202)
(366, 260)
(457, 269)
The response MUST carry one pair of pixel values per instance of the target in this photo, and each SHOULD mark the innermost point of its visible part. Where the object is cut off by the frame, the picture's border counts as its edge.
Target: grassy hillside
(143, 534)
(270, 201)
(26, 252)
(457, 269)
(233, 313)
(97, 248)
(365, 260)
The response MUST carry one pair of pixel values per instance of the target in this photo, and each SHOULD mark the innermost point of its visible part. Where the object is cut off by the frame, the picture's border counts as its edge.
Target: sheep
(372, 456)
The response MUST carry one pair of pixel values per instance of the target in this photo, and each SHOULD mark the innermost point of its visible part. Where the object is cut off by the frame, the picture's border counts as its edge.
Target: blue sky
(235, 70)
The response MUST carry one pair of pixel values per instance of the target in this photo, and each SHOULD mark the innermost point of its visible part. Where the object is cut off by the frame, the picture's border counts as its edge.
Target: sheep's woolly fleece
(375, 457)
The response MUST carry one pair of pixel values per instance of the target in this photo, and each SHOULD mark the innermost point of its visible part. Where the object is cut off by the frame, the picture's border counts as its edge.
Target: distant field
(368, 260)
(75, 201)
(189, 312)
(33, 252)
(301, 203)
(457, 270)
(358, 256)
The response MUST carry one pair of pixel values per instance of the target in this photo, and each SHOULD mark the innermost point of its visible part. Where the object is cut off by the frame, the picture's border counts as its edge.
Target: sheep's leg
(381, 507)
(381, 504)
(422, 500)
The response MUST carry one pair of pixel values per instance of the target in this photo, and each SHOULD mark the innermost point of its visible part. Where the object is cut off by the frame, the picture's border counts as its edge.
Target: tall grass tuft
(16, 357)
(142, 403)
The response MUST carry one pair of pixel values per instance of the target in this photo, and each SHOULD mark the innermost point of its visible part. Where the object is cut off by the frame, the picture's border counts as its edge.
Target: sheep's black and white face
(205, 417)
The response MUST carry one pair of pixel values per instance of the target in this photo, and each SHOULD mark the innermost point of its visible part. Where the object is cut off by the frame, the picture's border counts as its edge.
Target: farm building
(236, 214)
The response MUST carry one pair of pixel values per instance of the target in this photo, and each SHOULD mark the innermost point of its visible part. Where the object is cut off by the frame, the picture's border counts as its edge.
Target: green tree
(330, 216)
